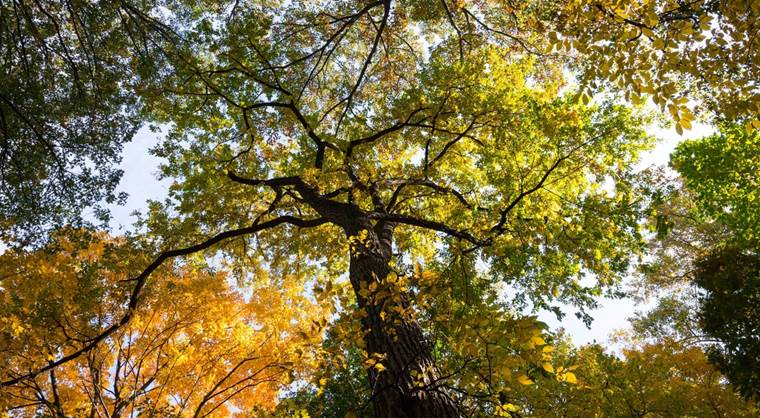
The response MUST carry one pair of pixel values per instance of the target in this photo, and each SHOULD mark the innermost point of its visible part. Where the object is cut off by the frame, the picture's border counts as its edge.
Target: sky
(141, 183)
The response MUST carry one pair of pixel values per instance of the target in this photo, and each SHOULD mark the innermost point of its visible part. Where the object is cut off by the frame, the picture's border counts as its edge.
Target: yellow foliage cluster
(196, 346)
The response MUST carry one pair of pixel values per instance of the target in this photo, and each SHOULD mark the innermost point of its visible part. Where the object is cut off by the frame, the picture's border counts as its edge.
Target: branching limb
(387, 131)
(428, 224)
(499, 227)
(528, 48)
(402, 184)
(320, 143)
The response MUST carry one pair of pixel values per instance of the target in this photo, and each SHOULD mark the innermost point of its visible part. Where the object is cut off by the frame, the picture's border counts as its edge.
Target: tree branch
(428, 224)
(367, 61)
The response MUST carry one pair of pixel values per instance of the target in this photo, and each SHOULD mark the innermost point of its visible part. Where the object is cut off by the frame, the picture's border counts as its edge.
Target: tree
(657, 49)
(333, 140)
(706, 254)
(441, 167)
(651, 379)
(195, 347)
(680, 236)
(730, 279)
(67, 107)
(722, 171)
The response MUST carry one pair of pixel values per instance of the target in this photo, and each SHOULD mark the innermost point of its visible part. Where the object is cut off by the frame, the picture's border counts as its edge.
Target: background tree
(67, 107)
(649, 379)
(721, 170)
(728, 311)
(195, 347)
(706, 254)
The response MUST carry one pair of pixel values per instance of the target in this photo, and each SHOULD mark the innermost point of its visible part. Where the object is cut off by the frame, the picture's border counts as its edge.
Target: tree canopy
(389, 187)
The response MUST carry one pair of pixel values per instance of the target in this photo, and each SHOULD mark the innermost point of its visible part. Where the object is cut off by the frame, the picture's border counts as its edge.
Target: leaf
(510, 407)
(548, 367)
(537, 340)
(685, 124)
(569, 377)
(524, 380)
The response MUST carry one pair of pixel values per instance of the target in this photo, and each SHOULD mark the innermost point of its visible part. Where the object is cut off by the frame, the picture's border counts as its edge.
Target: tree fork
(401, 344)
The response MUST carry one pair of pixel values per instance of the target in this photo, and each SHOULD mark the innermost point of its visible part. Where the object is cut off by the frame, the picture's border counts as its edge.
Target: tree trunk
(398, 341)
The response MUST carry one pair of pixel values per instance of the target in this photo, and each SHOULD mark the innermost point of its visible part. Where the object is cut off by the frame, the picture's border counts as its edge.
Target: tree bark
(397, 340)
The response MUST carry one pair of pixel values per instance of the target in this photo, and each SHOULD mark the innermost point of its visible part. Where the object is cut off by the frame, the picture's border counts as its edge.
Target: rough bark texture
(403, 344)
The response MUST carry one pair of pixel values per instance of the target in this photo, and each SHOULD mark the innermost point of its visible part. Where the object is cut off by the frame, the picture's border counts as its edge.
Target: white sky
(140, 181)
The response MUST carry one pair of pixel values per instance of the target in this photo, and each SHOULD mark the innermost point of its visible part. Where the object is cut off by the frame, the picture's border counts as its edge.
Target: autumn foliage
(371, 204)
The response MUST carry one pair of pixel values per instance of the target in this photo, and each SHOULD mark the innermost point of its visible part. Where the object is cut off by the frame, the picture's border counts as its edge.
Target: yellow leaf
(569, 377)
(548, 367)
(687, 114)
(510, 407)
(537, 340)
(379, 367)
(524, 380)
(685, 123)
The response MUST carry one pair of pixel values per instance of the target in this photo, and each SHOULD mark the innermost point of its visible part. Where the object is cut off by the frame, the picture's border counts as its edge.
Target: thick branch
(339, 213)
(428, 224)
